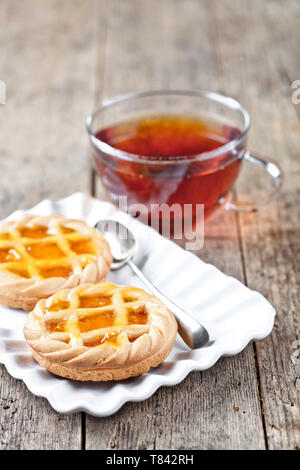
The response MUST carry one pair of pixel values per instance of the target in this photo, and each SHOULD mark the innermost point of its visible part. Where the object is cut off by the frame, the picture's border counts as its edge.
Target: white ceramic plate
(232, 313)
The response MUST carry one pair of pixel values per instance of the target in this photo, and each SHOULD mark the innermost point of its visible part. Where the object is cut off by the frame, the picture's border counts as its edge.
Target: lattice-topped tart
(100, 332)
(41, 255)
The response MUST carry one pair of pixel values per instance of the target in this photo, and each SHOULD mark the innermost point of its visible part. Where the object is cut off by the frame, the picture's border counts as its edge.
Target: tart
(100, 332)
(41, 255)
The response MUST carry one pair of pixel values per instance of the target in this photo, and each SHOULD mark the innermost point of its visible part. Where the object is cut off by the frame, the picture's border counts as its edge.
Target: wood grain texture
(210, 410)
(191, 415)
(48, 63)
(29, 422)
(59, 60)
(271, 239)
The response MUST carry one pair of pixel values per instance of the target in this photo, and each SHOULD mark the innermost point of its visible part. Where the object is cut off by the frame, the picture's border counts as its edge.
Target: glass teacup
(155, 183)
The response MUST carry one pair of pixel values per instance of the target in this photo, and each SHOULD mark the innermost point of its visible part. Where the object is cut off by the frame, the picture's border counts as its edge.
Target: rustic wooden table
(60, 59)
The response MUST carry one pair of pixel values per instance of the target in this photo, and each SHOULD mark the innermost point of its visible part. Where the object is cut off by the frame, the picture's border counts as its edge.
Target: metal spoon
(123, 245)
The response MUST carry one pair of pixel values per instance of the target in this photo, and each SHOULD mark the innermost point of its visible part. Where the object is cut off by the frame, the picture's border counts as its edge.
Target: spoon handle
(191, 331)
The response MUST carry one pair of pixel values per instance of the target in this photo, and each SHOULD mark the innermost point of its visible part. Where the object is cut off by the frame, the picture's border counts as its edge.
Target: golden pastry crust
(100, 332)
(40, 255)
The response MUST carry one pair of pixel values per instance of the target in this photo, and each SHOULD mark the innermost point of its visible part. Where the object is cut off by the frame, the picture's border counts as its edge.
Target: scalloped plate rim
(78, 405)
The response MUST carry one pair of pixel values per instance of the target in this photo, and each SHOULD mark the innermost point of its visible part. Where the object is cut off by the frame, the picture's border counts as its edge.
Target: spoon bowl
(122, 243)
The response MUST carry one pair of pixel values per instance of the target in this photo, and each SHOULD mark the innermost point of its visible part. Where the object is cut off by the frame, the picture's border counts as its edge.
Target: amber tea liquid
(167, 138)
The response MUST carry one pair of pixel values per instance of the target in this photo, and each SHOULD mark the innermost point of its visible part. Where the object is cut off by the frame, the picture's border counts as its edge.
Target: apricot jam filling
(56, 325)
(57, 305)
(9, 254)
(94, 312)
(20, 270)
(5, 236)
(55, 271)
(104, 319)
(88, 301)
(138, 316)
(38, 231)
(66, 230)
(83, 246)
(45, 252)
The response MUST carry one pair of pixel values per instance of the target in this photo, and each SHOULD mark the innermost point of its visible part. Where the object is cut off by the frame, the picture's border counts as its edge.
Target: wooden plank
(271, 250)
(215, 409)
(49, 69)
(271, 239)
(29, 422)
(219, 45)
(49, 93)
(172, 44)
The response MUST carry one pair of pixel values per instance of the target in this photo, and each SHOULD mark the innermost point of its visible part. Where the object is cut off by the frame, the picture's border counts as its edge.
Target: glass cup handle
(277, 174)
